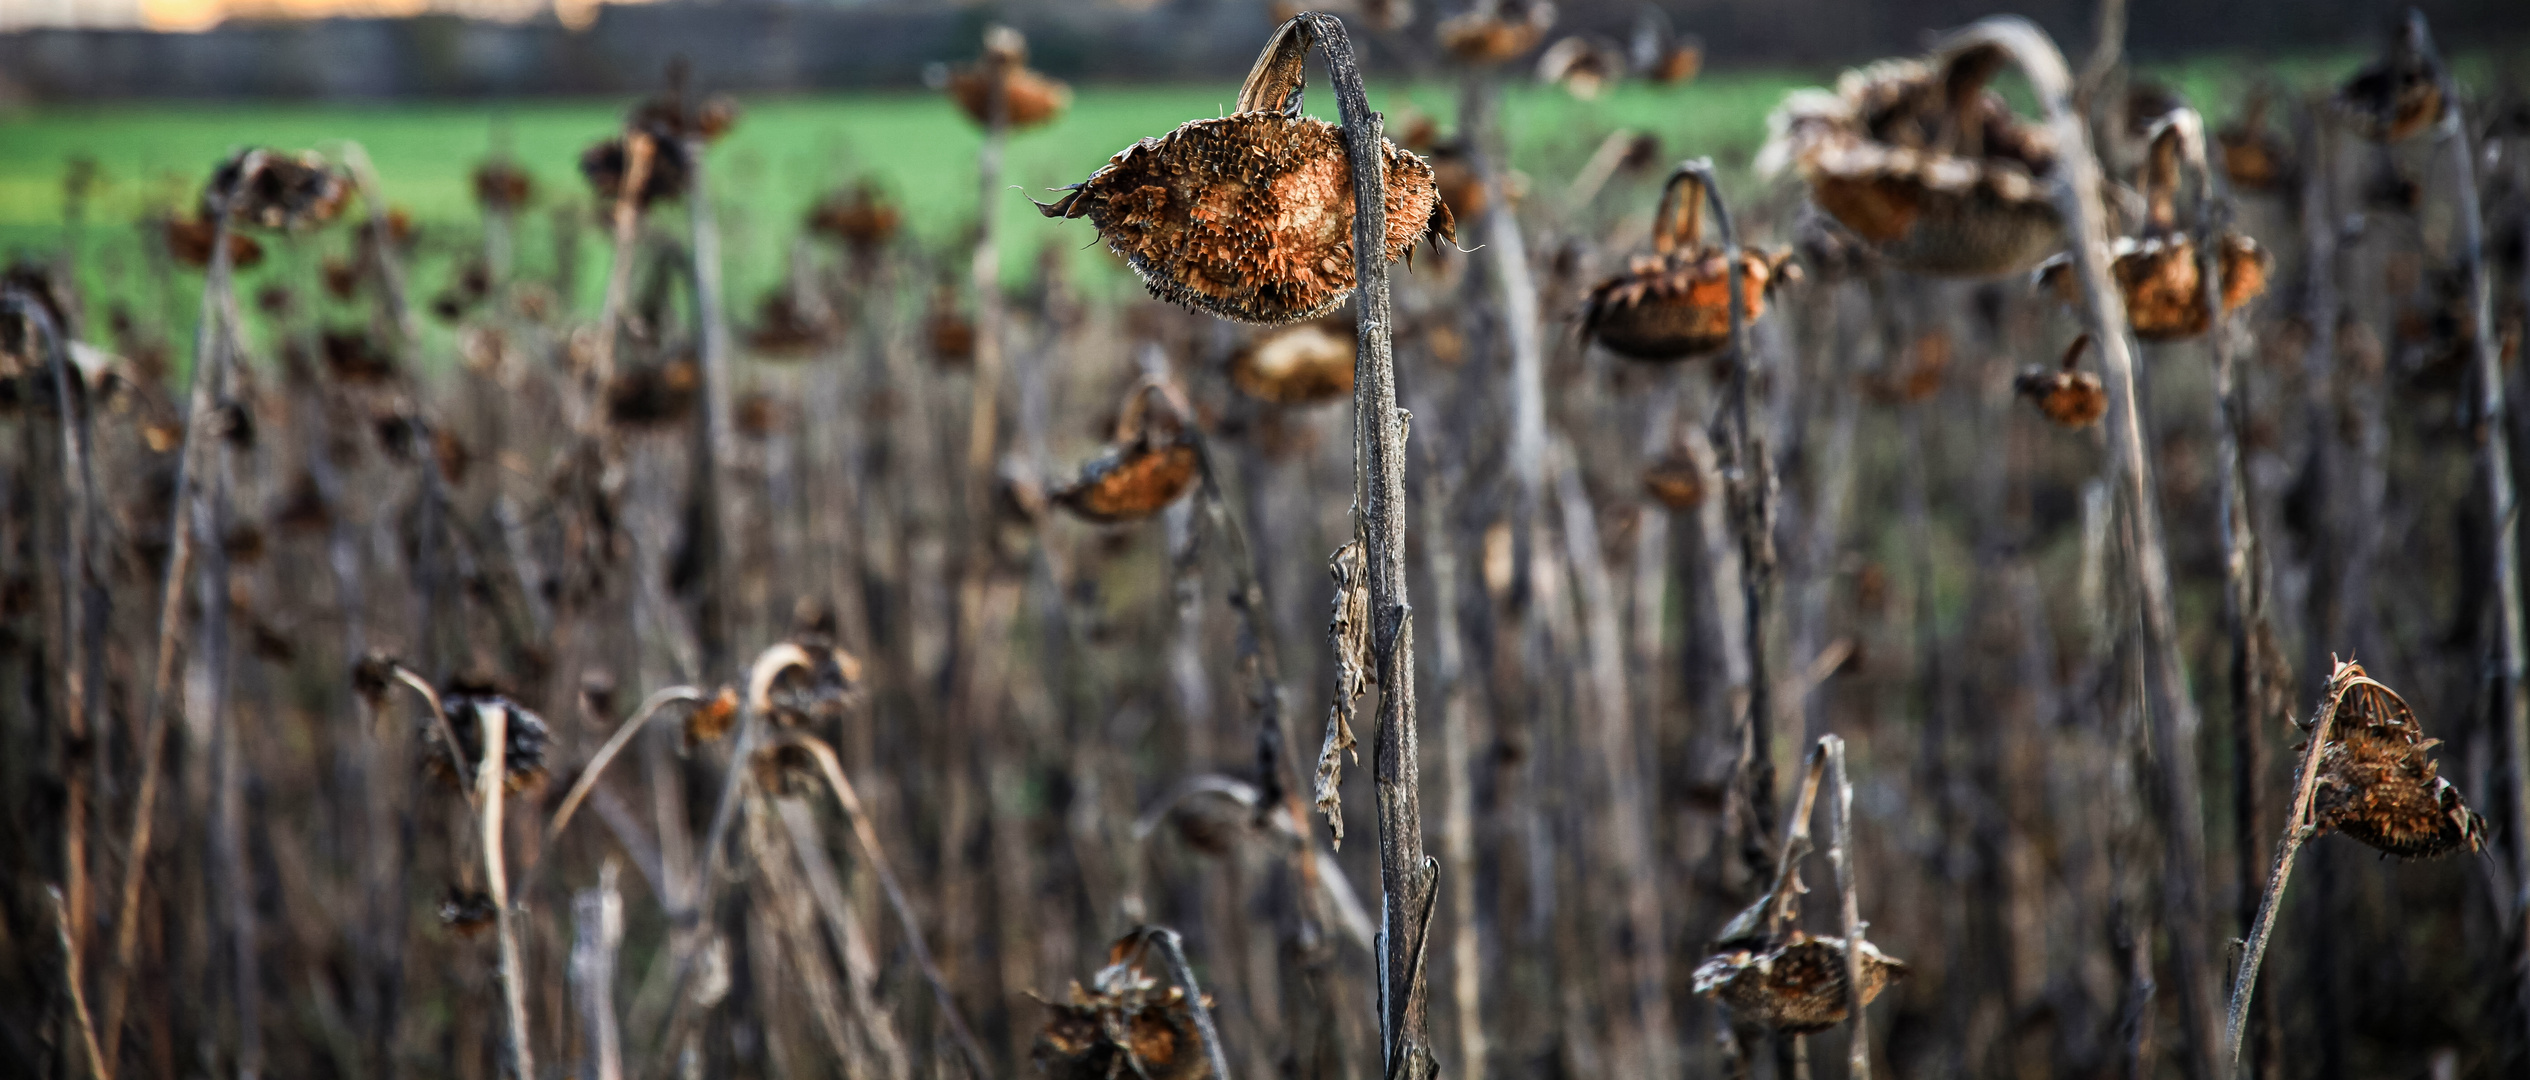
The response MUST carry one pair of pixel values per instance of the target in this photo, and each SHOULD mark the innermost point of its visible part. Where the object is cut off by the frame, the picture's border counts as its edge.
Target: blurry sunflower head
(1584, 65)
(658, 395)
(189, 241)
(523, 744)
(2068, 396)
(2254, 157)
(1304, 364)
(500, 186)
(609, 165)
(818, 688)
(1028, 99)
(1675, 480)
(2397, 95)
(1674, 303)
(273, 190)
(1921, 159)
(1125, 1023)
(1250, 216)
(1796, 988)
(2164, 286)
(2157, 273)
(1494, 31)
(2377, 781)
(786, 329)
(787, 769)
(469, 912)
(1141, 471)
(861, 218)
(711, 719)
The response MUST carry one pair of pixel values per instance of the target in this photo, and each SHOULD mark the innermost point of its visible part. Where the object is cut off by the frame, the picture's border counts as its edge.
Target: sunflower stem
(1407, 877)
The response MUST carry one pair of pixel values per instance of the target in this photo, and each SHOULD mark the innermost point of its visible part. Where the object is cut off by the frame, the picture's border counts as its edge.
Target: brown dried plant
(2157, 271)
(1766, 970)
(1143, 469)
(1305, 364)
(1249, 216)
(1348, 631)
(1125, 1023)
(2068, 395)
(1028, 98)
(1494, 31)
(1674, 303)
(2396, 96)
(1918, 157)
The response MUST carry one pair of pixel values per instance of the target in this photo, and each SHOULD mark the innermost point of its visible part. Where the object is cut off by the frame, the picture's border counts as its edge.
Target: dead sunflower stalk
(274, 191)
(2366, 773)
(1767, 971)
(1283, 255)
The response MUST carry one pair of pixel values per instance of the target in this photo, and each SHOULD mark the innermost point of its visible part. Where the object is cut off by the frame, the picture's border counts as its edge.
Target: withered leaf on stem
(1348, 632)
(1250, 216)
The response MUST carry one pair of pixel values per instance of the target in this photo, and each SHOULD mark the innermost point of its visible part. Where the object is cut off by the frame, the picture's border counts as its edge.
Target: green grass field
(784, 153)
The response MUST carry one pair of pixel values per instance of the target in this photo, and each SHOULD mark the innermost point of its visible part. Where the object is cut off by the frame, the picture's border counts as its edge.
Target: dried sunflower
(1675, 480)
(1797, 988)
(817, 692)
(501, 186)
(1142, 470)
(1028, 98)
(1584, 65)
(1297, 365)
(2377, 783)
(654, 395)
(2396, 96)
(273, 190)
(189, 241)
(862, 219)
(522, 745)
(1675, 302)
(469, 912)
(2158, 272)
(1920, 159)
(2255, 158)
(1250, 216)
(1124, 1024)
(2071, 397)
(1496, 30)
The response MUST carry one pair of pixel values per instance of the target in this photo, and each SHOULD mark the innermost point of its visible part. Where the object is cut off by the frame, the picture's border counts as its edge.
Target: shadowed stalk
(2506, 666)
(650, 706)
(82, 603)
(491, 784)
(2172, 713)
(1408, 879)
(713, 443)
(98, 1067)
(1173, 949)
(597, 917)
(1840, 854)
(1748, 478)
(2299, 829)
(911, 924)
(639, 151)
(210, 358)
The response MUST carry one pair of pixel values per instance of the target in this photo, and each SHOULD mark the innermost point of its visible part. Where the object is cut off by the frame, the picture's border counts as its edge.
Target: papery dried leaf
(1348, 632)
